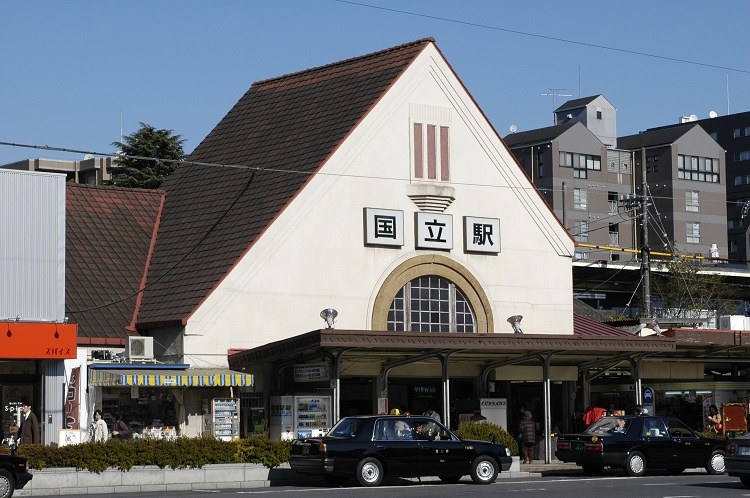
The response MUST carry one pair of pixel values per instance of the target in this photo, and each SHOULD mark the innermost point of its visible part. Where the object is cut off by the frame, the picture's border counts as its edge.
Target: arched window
(430, 304)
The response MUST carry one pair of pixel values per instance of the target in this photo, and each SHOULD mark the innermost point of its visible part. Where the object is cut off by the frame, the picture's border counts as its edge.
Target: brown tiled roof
(287, 127)
(586, 327)
(108, 235)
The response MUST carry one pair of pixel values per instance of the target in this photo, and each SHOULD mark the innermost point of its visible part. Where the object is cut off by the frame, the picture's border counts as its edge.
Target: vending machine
(225, 418)
(282, 418)
(312, 415)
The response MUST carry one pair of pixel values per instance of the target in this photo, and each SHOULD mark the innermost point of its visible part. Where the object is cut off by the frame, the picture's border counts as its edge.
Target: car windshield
(609, 425)
(347, 427)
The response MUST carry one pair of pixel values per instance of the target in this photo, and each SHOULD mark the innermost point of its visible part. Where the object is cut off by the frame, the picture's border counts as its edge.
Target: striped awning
(192, 377)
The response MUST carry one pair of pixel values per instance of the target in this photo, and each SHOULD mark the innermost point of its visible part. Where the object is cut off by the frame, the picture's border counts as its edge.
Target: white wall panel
(32, 246)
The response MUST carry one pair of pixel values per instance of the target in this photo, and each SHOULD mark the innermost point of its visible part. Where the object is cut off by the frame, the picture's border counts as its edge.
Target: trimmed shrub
(178, 454)
(483, 430)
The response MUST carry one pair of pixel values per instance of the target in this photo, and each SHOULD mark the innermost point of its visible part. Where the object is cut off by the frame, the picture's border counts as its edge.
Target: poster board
(69, 436)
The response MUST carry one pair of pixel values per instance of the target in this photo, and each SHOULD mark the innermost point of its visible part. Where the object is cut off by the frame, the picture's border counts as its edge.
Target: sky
(79, 75)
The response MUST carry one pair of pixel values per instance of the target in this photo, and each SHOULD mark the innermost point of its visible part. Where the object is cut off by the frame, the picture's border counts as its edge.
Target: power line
(547, 37)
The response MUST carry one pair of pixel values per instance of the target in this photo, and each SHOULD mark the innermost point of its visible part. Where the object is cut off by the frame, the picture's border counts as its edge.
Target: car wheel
(745, 480)
(635, 465)
(370, 472)
(450, 479)
(334, 480)
(592, 470)
(676, 471)
(484, 470)
(716, 463)
(7, 485)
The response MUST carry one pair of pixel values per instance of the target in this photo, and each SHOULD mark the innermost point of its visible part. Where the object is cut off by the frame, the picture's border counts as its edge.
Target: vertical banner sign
(71, 400)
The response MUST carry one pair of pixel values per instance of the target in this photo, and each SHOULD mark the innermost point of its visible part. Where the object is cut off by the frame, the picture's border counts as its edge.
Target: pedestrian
(713, 421)
(478, 417)
(98, 431)
(454, 417)
(28, 431)
(429, 412)
(120, 429)
(528, 437)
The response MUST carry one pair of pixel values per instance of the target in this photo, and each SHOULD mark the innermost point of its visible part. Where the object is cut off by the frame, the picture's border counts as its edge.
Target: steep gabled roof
(663, 136)
(108, 235)
(576, 103)
(540, 135)
(281, 132)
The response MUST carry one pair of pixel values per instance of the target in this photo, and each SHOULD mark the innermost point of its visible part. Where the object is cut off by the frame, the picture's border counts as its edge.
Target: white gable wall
(313, 257)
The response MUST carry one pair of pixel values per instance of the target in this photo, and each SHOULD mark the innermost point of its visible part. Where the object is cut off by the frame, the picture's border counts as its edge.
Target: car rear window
(347, 427)
(609, 425)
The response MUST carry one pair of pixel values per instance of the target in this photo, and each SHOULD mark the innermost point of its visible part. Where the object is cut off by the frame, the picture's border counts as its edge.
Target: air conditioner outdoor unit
(140, 348)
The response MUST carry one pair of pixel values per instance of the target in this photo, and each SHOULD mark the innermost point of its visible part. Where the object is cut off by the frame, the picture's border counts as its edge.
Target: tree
(163, 150)
(686, 290)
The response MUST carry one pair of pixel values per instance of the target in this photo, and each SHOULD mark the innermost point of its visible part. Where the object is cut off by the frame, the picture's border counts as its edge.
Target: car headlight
(507, 451)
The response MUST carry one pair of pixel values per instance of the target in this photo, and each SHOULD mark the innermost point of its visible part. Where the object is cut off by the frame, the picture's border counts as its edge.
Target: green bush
(482, 432)
(178, 454)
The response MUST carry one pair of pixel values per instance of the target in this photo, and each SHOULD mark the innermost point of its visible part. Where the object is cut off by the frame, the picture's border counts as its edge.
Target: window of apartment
(714, 135)
(732, 224)
(733, 245)
(692, 201)
(540, 164)
(741, 132)
(614, 234)
(580, 196)
(598, 114)
(430, 304)
(693, 232)
(701, 169)
(742, 156)
(581, 255)
(581, 230)
(612, 202)
(566, 159)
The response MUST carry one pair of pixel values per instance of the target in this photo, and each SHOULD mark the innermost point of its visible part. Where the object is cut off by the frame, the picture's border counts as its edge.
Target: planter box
(56, 482)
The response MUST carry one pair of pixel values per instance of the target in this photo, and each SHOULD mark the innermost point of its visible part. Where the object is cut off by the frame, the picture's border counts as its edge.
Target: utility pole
(645, 249)
(639, 203)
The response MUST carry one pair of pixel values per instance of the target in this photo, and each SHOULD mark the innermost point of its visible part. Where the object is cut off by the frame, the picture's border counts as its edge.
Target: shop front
(31, 368)
(166, 401)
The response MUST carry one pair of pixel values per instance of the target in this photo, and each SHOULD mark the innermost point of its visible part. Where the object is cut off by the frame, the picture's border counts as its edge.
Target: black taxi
(638, 443)
(372, 447)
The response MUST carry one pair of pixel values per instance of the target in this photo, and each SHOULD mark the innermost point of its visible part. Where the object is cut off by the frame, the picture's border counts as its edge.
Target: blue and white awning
(192, 377)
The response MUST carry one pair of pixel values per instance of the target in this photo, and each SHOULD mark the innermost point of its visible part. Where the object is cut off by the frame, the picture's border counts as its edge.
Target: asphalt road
(572, 484)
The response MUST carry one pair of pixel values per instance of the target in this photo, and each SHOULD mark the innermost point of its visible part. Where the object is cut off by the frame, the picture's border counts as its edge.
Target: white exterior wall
(32, 248)
(313, 257)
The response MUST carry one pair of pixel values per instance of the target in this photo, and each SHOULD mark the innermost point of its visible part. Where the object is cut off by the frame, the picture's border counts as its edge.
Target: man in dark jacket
(28, 431)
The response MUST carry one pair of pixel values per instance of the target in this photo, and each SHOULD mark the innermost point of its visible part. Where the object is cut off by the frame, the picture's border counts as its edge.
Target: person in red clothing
(592, 414)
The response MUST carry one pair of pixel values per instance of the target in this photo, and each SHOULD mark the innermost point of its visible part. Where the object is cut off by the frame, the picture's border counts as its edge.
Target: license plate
(577, 446)
(743, 450)
(305, 450)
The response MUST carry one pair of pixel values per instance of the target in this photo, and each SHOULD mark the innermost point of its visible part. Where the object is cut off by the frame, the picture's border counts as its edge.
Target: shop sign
(424, 391)
(434, 231)
(38, 341)
(384, 227)
(311, 372)
(482, 234)
(71, 399)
